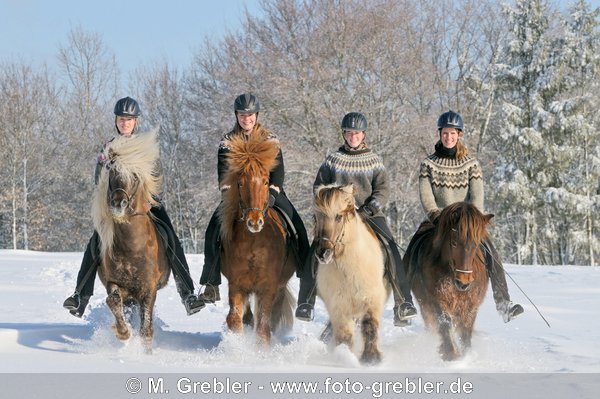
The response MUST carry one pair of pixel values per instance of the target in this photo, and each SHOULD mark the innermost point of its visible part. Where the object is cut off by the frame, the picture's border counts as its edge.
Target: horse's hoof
(371, 359)
(122, 335)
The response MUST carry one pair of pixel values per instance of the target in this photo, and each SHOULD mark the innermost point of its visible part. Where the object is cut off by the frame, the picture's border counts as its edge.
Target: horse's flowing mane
(131, 157)
(254, 156)
(470, 223)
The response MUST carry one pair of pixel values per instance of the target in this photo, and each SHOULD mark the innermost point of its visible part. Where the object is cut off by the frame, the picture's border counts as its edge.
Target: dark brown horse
(446, 265)
(255, 256)
(134, 262)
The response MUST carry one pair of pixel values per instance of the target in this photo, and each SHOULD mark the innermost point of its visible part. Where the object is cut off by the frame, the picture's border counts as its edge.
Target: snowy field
(38, 336)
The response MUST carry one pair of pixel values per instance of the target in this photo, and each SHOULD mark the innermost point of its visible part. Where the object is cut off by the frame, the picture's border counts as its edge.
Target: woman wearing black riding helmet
(246, 108)
(354, 162)
(127, 113)
(451, 175)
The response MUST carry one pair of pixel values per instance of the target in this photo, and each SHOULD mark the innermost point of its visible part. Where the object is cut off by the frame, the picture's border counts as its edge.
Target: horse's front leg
(343, 332)
(115, 304)
(264, 302)
(146, 321)
(448, 350)
(370, 333)
(237, 302)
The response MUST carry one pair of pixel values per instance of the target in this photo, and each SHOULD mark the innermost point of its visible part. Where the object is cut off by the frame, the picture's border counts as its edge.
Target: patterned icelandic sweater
(446, 180)
(363, 168)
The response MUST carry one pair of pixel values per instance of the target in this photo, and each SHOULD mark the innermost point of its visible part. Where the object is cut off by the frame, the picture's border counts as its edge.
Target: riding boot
(404, 310)
(495, 270)
(77, 302)
(306, 298)
(211, 271)
(192, 303)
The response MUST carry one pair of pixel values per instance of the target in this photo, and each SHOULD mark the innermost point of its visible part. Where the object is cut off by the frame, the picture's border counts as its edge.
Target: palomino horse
(134, 261)
(255, 256)
(446, 265)
(350, 277)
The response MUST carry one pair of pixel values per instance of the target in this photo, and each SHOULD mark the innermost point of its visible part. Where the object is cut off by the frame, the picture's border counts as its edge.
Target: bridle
(245, 210)
(129, 199)
(339, 238)
(454, 244)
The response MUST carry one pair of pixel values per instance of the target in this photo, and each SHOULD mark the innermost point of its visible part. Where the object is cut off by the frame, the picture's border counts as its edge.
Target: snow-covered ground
(38, 336)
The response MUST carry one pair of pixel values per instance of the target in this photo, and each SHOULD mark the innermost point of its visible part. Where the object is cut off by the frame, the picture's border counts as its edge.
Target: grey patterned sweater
(444, 180)
(363, 168)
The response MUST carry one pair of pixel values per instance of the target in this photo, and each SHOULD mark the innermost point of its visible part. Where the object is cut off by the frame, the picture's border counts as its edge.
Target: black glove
(272, 197)
(366, 210)
(434, 216)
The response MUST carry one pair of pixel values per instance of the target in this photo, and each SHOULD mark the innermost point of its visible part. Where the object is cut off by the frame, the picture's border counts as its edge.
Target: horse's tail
(282, 316)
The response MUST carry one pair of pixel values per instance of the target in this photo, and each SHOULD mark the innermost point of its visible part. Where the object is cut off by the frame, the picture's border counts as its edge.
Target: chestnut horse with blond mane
(255, 256)
(134, 263)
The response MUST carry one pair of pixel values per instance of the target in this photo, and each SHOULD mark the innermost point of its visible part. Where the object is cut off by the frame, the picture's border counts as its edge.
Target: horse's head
(121, 193)
(254, 199)
(334, 205)
(460, 232)
(250, 162)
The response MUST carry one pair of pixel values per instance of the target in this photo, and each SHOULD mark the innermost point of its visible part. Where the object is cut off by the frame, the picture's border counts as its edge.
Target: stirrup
(72, 302)
(305, 312)
(193, 304)
(211, 294)
(512, 312)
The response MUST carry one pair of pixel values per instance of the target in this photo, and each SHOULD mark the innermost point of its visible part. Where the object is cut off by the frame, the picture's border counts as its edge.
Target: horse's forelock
(466, 219)
(329, 196)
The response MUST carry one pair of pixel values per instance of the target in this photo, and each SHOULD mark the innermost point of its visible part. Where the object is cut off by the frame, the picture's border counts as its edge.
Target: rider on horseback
(246, 108)
(451, 175)
(356, 163)
(127, 112)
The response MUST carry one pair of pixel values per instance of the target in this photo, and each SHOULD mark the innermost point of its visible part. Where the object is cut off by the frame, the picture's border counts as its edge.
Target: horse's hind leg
(370, 332)
(248, 318)
(448, 350)
(115, 304)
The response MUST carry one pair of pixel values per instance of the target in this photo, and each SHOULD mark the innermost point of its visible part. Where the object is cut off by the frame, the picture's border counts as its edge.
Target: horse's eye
(338, 218)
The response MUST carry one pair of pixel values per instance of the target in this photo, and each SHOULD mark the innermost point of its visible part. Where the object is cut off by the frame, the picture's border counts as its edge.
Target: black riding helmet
(246, 103)
(127, 107)
(354, 121)
(450, 119)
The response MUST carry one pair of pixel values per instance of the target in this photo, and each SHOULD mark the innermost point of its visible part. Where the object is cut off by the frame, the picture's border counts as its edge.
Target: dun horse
(446, 265)
(255, 256)
(134, 263)
(350, 278)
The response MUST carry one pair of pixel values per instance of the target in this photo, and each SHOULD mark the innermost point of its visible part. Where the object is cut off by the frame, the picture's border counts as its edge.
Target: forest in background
(525, 77)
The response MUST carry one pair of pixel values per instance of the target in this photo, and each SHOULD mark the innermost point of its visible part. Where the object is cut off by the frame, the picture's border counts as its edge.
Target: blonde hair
(461, 149)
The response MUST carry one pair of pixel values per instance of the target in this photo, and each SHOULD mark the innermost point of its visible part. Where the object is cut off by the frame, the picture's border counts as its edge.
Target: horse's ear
(318, 189)
(349, 189)
(489, 217)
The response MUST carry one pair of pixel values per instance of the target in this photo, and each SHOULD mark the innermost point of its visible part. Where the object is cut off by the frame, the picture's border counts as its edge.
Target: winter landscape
(37, 336)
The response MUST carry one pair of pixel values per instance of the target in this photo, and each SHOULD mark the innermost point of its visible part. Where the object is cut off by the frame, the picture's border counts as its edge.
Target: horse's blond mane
(254, 156)
(131, 157)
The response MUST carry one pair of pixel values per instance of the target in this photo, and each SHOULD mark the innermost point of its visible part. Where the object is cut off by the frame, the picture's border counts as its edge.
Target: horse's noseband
(128, 201)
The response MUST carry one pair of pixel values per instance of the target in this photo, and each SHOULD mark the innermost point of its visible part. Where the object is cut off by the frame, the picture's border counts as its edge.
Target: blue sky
(138, 31)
